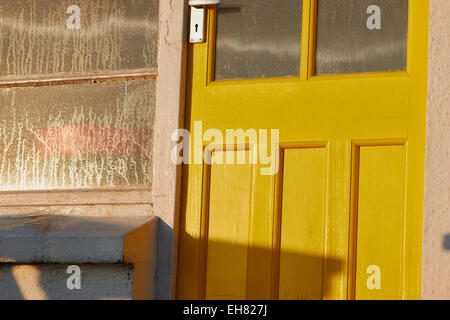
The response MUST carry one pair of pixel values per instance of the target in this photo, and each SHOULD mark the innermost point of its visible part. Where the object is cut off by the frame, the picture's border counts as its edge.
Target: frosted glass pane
(258, 39)
(356, 36)
(39, 39)
(77, 136)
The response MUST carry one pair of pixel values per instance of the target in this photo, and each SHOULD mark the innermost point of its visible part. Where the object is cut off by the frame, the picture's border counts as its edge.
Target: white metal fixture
(197, 31)
(197, 27)
(198, 3)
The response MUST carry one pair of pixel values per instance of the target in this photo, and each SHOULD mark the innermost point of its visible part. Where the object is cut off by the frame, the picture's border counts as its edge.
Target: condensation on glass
(258, 39)
(40, 38)
(355, 36)
(77, 136)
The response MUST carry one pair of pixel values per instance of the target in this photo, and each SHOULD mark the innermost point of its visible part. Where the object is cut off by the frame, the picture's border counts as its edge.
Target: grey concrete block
(49, 281)
(66, 239)
(46, 243)
(163, 268)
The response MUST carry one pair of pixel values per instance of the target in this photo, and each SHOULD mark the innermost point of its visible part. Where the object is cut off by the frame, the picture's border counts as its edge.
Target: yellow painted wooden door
(342, 217)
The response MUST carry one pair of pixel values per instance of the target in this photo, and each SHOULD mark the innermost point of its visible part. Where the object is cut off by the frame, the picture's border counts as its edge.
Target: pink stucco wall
(436, 258)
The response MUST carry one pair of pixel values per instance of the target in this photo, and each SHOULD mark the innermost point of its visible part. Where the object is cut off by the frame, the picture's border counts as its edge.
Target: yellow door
(338, 90)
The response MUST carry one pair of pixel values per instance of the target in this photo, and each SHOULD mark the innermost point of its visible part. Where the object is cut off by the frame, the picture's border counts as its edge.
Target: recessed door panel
(303, 224)
(381, 215)
(228, 229)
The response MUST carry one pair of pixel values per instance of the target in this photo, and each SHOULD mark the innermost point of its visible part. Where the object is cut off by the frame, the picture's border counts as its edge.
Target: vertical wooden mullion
(211, 39)
(276, 238)
(308, 39)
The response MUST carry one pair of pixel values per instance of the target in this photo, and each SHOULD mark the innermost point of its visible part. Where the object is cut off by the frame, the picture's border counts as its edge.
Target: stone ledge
(69, 239)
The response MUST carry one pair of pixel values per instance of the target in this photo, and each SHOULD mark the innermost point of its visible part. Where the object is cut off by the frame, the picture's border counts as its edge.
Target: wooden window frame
(169, 101)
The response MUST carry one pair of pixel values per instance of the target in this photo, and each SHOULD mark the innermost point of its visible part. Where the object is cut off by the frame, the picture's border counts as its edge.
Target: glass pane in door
(355, 36)
(258, 39)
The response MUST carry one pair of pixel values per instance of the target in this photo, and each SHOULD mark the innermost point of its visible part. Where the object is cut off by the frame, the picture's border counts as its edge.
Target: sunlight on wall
(27, 279)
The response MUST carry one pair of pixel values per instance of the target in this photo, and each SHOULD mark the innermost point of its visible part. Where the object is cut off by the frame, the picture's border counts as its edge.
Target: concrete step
(115, 258)
(59, 282)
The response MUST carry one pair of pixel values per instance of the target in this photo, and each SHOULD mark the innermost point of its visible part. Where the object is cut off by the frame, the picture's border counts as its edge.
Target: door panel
(303, 223)
(380, 212)
(348, 192)
(228, 235)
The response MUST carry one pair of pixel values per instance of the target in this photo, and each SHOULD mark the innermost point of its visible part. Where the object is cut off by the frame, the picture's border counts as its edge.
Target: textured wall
(436, 257)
